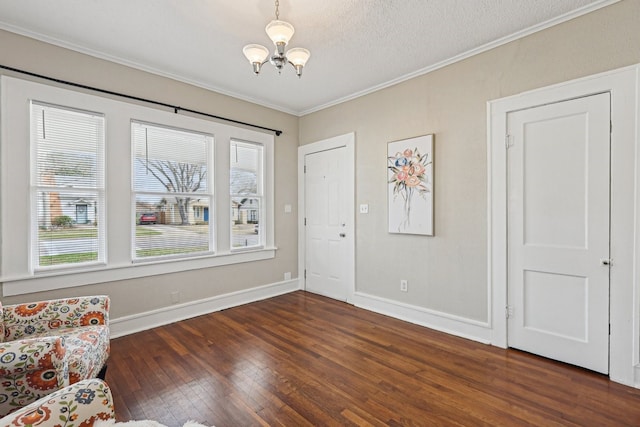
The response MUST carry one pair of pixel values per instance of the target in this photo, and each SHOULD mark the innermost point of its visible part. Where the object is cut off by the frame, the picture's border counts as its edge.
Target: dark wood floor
(305, 360)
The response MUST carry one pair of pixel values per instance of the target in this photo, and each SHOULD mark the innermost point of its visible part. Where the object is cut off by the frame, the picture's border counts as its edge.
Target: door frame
(346, 141)
(624, 349)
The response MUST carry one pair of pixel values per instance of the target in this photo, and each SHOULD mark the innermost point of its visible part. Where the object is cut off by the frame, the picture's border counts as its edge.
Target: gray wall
(150, 293)
(448, 272)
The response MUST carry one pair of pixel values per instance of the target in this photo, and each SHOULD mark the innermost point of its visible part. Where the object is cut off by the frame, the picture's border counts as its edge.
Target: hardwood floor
(304, 360)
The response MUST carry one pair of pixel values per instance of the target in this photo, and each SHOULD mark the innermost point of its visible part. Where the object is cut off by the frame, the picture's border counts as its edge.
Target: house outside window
(68, 185)
(246, 189)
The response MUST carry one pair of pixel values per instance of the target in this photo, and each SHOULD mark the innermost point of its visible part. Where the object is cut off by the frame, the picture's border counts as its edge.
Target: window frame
(36, 187)
(15, 219)
(260, 193)
(209, 194)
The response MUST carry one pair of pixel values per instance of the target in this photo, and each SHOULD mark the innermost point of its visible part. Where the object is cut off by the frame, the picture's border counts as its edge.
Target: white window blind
(172, 193)
(247, 191)
(67, 183)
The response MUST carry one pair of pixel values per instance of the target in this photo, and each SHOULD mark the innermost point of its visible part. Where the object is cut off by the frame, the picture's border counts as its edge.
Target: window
(68, 186)
(171, 191)
(94, 189)
(246, 189)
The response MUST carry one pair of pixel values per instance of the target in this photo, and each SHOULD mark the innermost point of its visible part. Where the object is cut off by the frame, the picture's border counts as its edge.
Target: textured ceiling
(356, 45)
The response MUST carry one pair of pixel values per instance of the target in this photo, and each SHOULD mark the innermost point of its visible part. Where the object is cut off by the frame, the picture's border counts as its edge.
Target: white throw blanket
(141, 423)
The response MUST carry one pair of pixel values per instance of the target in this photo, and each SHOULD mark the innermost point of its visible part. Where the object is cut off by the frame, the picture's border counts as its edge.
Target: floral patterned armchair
(78, 405)
(48, 345)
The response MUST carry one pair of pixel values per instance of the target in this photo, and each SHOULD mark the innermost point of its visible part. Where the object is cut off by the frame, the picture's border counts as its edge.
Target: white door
(326, 216)
(558, 231)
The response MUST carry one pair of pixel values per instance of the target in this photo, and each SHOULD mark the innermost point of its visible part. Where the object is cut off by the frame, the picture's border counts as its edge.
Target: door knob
(343, 235)
(606, 261)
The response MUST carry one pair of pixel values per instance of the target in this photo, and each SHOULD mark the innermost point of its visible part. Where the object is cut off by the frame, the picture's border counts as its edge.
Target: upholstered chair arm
(29, 369)
(80, 404)
(40, 318)
(32, 354)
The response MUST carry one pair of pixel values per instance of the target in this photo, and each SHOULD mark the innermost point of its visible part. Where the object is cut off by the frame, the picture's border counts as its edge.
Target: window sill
(57, 279)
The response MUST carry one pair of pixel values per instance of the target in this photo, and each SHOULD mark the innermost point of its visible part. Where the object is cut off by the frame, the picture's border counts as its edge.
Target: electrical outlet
(175, 297)
(287, 275)
(404, 286)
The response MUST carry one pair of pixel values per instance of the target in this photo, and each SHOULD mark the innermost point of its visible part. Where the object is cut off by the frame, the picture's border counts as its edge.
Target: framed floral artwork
(410, 185)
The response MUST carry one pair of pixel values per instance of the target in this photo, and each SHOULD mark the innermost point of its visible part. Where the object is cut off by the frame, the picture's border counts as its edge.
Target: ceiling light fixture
(280, 32)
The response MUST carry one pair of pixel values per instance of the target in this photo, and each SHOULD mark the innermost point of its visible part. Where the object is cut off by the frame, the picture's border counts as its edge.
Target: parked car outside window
(148, 218)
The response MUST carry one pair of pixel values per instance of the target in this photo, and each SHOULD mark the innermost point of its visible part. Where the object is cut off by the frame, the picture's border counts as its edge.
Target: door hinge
(508, 141)
(305, 222)
(508, 312)
(610, 126)
(305, 273)
(305, 169)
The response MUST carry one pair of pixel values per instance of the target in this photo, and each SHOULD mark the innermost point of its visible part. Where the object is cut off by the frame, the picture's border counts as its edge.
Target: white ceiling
(356, 45)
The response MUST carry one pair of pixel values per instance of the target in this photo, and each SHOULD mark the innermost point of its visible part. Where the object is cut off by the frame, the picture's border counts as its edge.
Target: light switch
(364, 209)
(287, 208)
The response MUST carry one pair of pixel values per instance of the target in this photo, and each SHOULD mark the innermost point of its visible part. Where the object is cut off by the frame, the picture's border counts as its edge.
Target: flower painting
(410, 169)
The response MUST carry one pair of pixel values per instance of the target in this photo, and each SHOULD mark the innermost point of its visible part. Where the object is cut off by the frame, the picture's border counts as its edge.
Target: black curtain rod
(137, 98)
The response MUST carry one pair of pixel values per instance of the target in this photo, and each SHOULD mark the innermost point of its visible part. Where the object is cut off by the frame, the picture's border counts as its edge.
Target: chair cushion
(87, 350)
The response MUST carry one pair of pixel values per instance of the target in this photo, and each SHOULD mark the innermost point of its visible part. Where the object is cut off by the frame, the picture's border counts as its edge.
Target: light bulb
(279, 31)
(298, 56)
(255, 53)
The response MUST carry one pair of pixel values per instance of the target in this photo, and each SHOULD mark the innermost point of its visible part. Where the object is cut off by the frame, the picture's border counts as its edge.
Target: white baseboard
(142, 321)
(443, 322)
(636, 378)
(454, 325)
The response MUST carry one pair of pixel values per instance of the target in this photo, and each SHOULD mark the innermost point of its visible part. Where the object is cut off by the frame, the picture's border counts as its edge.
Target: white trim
(439, 321)
(139, 66)
(205, 85)
(636, 233)
(469, 53)
(68, 279)
(151, 319)
(347, 141)
(624, 351)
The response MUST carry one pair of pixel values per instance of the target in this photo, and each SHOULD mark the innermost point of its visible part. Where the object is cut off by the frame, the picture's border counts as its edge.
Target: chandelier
(280, 32)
